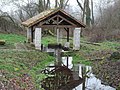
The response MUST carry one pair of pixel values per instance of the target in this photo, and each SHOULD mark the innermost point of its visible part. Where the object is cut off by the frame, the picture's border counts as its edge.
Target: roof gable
(46, 15)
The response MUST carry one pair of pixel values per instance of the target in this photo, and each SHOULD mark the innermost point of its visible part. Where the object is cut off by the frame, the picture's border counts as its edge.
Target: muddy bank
(108, 70)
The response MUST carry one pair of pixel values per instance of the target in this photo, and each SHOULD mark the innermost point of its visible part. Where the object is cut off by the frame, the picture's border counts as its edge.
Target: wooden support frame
(67, 20)
(58, 26)
(60, 21)
(57, 22)
(41, 23)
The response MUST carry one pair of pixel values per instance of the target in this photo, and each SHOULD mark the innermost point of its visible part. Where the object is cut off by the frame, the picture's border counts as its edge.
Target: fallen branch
(96, 44)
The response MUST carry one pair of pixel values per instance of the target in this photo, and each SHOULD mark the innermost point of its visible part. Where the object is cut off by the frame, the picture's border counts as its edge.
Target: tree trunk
(92, 21)
(61, 4)
(88, 14)
(56, 3)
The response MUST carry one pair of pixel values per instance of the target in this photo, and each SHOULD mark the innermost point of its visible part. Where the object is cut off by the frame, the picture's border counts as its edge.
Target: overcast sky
(10, 7)
(73, 4)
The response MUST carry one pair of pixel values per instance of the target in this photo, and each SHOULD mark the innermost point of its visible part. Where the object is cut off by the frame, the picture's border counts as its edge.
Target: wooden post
(58, 61)
(38, 38)
(68, 35)
(58, 36)
(29, 36)
(61, 35)
(32, 34)
(67, 44)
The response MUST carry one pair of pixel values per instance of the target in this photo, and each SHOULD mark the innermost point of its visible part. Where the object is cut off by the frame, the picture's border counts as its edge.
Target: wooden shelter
(57, 19)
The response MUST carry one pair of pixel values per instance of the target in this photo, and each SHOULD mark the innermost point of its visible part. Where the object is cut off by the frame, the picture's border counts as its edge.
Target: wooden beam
(57, 20)
(82, 25)
(59, 26)
(43, 22)
(60, 21)
(54, 21)
(67, 20)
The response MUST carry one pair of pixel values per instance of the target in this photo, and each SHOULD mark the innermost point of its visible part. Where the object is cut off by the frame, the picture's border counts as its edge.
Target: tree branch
(80, 5)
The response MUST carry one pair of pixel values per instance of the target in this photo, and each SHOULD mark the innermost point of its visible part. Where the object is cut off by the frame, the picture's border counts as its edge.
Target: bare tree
(88, 14)
(92, 13)
(56, 3)
(43, 5)
(61, 3)
(87, 11)
(8, 24)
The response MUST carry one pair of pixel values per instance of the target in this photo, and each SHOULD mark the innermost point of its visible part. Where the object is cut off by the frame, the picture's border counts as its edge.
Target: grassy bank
(10, 40)
(14, 64)
(17, 65)
(88, 51)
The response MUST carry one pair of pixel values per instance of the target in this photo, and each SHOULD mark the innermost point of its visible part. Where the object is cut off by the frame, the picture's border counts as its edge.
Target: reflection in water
(91, 82)
(61, 78)
(63, 75)
(72, 77)
(67, 61)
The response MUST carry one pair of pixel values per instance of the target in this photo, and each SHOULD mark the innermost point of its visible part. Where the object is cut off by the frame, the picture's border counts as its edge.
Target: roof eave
(52, 12)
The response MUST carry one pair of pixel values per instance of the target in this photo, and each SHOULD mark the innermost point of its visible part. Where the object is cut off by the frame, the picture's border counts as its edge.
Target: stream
(91, 82)
(69, 76)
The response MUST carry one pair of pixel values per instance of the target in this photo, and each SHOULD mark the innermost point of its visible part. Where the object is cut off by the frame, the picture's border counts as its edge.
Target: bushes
(115, 56)
(98, 34)
(114, 35)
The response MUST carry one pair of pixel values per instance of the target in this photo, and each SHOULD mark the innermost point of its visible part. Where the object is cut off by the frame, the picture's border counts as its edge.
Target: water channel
(71, 76)
(91, 82)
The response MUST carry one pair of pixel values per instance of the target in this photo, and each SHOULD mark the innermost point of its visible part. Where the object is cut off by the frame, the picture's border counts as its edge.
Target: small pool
(81, 71)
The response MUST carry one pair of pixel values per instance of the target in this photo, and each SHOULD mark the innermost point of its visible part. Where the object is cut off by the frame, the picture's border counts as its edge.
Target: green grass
(52, 40)
(106, 45)
(48, 39)
(11, 39)
(80, 57)
(17, 63)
